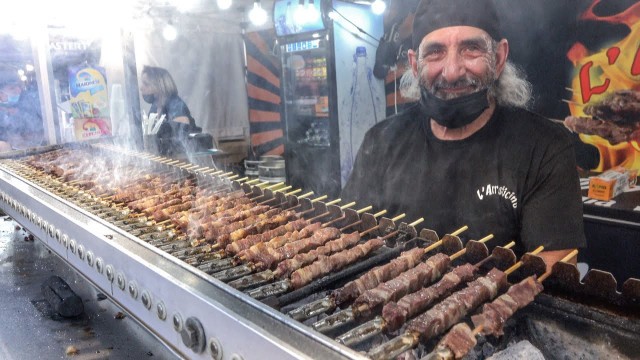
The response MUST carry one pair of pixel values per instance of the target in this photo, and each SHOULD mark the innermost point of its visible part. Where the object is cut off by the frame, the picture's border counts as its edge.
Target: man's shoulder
(525, 124)
(396, 125)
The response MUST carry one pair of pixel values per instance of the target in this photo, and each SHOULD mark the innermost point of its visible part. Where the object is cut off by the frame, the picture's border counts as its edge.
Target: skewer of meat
(250, 247)
(410, 281)
(461, 339)
(330, 247)
(447, 313)
(395, 314)
(236, 231)
(322, 267)
(265, 255)
(290, 264)
(369, 280)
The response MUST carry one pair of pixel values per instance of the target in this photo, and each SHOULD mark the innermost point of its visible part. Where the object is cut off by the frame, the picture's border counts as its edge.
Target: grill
(157, 236)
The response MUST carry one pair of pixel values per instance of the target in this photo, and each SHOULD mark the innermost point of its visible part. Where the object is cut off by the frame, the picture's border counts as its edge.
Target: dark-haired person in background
(21, 123)
(158, 89)
(469, 153)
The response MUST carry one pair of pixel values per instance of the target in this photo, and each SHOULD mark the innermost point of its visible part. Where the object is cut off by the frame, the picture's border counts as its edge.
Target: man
(469, 153)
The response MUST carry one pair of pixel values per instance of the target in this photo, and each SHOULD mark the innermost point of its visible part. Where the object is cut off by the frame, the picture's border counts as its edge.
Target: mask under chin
(454, 113)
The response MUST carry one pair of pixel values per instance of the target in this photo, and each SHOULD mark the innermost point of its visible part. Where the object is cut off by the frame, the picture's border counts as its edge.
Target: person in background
(158, 89)
(21, 123)
(469, 153)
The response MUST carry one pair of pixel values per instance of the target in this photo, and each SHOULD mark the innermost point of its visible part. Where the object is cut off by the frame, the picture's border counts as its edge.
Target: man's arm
(552, 257)
(552, 208)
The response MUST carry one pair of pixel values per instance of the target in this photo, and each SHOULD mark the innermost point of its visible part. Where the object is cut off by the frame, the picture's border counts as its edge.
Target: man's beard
(474, 83)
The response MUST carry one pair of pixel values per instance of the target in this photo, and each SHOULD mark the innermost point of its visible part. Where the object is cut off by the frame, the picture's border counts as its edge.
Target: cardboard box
(611, 183)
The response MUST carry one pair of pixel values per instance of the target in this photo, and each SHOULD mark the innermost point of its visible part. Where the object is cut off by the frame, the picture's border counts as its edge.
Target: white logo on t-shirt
(498, 190)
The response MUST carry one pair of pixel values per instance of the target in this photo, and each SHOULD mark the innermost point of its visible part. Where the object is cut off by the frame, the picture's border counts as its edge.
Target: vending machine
(330, 98)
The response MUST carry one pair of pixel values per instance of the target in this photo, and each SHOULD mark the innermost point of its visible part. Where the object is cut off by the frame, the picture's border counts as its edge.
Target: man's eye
(432, 53)
(473, 49)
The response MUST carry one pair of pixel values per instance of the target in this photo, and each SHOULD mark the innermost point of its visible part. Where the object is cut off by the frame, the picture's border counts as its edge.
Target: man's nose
(453, 67)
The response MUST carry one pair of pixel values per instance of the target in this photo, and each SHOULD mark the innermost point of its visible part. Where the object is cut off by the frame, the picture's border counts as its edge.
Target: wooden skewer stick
(274, 198)
(284, 189)
(477, 330)
(264, 183)
(569, 256)
(274, 186)
(318, 198)
(368, 231)
(380, 213)
(463, 251)
(242, 180)
(517, 265)
(327, 213)
(293, 192)
(460, 231)
(438, 243)
(303, 213)
(209, 171)
(251, 182)
(345, 216)
(364, 209)
(347, 205)
(163, 222)
(227, 174)
(299, 203)
(233, 177)
(572, 102)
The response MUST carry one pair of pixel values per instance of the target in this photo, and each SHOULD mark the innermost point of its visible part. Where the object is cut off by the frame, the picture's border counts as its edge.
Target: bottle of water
(362, 110)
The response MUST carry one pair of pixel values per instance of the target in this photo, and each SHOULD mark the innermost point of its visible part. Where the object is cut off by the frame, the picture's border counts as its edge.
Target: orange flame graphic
(616, 67)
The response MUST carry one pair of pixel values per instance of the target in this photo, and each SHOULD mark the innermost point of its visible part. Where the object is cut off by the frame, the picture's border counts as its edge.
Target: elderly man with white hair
(469, 152)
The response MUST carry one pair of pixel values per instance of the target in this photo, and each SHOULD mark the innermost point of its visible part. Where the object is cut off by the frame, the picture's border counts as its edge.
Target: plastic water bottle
(362, 114)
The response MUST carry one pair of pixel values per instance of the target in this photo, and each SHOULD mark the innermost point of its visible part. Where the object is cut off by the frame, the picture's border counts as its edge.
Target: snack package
(611, 183)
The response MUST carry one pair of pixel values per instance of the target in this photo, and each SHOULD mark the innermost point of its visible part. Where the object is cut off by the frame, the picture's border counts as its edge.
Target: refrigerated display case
(325, 72)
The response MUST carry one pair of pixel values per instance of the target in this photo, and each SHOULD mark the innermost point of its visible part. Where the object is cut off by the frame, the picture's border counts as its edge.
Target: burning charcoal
(521, 350)
(71, 350)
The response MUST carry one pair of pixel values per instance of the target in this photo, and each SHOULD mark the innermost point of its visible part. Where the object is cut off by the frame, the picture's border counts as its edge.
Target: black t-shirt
(515, 178)
(172, 134)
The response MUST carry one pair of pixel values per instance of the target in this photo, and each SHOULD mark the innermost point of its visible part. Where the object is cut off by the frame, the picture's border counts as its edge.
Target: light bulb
(169, 32)
(257, 15)
(378, 7)
(223, 4)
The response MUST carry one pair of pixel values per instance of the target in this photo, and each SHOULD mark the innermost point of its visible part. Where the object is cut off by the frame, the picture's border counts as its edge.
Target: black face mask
(149, 99)
(454, 113)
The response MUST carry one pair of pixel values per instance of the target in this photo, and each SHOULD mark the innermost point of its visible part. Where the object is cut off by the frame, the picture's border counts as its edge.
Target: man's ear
(502, 53)
(413, 60)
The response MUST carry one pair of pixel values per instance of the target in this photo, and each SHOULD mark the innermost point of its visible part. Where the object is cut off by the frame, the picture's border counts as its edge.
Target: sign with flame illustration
(89, 102)
(605, 106)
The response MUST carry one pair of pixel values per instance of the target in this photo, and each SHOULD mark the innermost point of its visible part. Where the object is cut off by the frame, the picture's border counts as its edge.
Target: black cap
(432, 15)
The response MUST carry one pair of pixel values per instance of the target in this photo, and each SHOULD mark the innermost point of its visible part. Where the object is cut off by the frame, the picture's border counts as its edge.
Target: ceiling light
(169, 32)
(378, 7)
(223, 4)
(257, 14)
